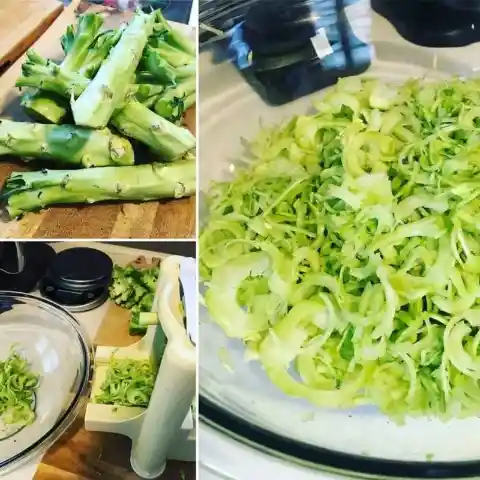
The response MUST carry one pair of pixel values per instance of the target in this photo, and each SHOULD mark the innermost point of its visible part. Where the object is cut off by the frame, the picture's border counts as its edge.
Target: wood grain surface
(22, 22)
(155, 219)
(83, 455)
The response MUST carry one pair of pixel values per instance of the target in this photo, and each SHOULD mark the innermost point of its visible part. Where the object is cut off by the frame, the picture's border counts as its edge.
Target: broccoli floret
(150, 277)
(139, 292)
(147, 302)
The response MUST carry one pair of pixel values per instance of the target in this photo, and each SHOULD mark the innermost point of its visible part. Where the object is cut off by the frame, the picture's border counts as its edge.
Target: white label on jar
(321, 44)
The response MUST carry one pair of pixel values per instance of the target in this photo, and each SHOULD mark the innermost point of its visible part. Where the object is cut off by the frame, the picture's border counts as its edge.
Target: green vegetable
(134, 327)
(348, 248)
(128, 383)
(147, 94)
(46, 75)
(175, 57)
(173, 103)
(107, 90)
(163, 137)
(134, 289)
(64, 144)
(173, 36)
(45, 107)
(133, 120)
(157, 66)
(30, 191)
(75, 43)
(18, 386)
(148, 318)
(99, 51)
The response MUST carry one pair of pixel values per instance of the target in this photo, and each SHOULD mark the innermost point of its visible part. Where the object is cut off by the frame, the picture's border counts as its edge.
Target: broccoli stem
(174, 56)
(174, 37)
(172, 104)
(163, 137)
(76, 42)
(133, 119)
(28, 191)
(148, 318)
(162, 71)
(64, 144)
(46, 108)
(106, 92)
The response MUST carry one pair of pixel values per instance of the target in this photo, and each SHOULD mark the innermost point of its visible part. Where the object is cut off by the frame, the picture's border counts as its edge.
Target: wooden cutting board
(166, 219)
(22, 22)
(82, 455)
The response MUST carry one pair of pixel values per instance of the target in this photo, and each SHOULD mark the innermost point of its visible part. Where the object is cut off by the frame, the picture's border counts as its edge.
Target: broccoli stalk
(163, 137)
(173, 36)
(175, 100)
(134, 327)
(133, 119)
(176, 58)
(106, 92)
(46, 108)
(64, 144)
(148, 318)
(29, 191)
(76, 43)
(162, 71)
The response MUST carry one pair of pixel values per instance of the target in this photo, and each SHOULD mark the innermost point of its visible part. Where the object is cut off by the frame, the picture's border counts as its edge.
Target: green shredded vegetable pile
(346, 255)
(128, 383)
(18, 386)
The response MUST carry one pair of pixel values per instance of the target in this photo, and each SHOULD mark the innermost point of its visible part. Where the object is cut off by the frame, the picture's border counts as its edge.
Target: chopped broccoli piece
(148, 318)
(134, 327)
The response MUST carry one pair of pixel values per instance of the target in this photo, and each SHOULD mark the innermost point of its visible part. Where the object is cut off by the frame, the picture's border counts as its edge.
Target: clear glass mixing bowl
(240, 401)
(58, 350)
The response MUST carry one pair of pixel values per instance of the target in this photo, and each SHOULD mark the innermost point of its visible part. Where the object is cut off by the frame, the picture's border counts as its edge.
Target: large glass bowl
(58, 350)
(240, 401)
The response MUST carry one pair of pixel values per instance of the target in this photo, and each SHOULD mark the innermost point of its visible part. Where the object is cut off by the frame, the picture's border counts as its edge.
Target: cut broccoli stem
(147, 94)
(172, 55)
(99, 51)
(76, 42)
(30, 191)
(154, 63)
(64, 144)
(46, 75)
(107, 90)
(171, 105)
(133, 119)
(174, 37)
(45, 107)
(148, 318)
(163, 137)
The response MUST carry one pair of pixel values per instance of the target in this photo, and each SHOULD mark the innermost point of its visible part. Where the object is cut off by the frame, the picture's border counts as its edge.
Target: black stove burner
(434, 23)
(78, 279)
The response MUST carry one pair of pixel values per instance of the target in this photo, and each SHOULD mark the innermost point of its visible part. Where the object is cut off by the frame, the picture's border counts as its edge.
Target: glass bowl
(240, 401)
(57, 349)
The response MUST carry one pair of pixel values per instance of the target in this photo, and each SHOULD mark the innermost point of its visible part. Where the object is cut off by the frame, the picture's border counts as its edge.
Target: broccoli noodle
(128, 383)
(349, 249)
(17, 391)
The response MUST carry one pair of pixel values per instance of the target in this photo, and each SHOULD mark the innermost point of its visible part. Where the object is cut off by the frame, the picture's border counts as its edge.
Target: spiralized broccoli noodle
(348, 248)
